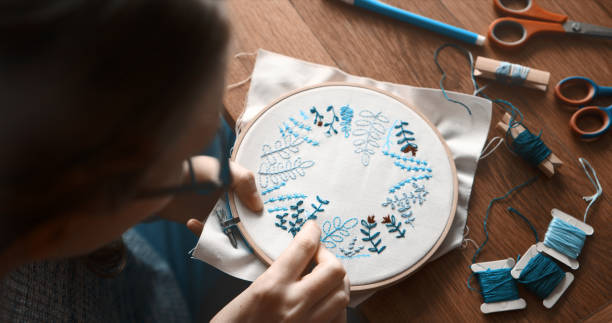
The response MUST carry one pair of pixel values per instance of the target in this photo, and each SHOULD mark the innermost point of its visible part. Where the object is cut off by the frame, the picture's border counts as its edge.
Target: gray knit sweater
(66, 291)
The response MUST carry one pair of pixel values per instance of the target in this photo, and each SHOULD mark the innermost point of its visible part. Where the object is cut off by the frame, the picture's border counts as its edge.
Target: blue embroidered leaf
(375, 235)
(365, 232)
(382, 249)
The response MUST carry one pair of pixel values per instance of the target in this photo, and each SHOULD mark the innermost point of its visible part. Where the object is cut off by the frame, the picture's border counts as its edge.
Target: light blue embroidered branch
(281, 221)
(394, 226)
(408, 218)
(387, 146)
(372, 237)
(277, 209)
(403, 158)
(412, 168)
(297, 222)
(330, 124)
(285, 198)
(419, 194)
(283, 147)
(401, 203)
(318, 119)
(371, 127)
(334, 231)
(346, 114)
(273, 188)
(278, 172)
(303, 114)
(351, 251)
(405, 139)
(408, 180)
(299, 124)
(292, 132)
(317, 209)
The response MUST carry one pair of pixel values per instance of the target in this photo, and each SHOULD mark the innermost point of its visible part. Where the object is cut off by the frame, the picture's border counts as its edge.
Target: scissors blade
(582, 28)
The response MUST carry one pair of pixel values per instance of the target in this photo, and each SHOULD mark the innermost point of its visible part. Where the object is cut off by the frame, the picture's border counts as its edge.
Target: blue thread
(497, 285)
(298, 221)
(352, 257)
(598, 189)
(334, 231)
(285, 198)
(371, 127)
(283, 147)
(394, 226)
(541, 275)
(346, 114)
(297, 135)
(299, 124)
(401, 203)
(412, 168)
(535, 233)
(318, 118)
(277, 209)
(330, 125)
(281, 221)
(280, 172)
(371, 224)
(470, 59)
(404, 158)
(531, 180)
(530, 147)
(405, 139)
(387, 145)
(408, 218)
(317, 209)
(352, 251)
(565, 238)
(408, 180)
(303, 114)
(511, 73)
(273, 188)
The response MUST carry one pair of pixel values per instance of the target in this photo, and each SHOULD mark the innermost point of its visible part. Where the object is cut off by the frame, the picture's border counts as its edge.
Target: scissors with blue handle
(533, 20)
(593, 91)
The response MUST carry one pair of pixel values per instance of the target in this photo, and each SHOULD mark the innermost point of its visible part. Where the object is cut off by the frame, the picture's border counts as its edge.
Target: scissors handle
(531, 11)
(603, 114)
(576, 82)
(529, 28)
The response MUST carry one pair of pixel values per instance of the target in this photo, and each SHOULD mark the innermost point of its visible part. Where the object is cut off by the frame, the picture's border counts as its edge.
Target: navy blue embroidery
(330, 125)
(351, 251)
(394, 226)
(273, 188)
(346, 114)
(408, 180)
(334, 231)
(281, 221)
(372, 237)
(285, 198)
(297, 222)
(317, 209)
(318, 118)
(371, 126)
(405, 138)
(276, 172)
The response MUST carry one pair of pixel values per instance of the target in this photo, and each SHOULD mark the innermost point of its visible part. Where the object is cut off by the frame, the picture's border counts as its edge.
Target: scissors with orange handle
(533, 20)
(593, 91)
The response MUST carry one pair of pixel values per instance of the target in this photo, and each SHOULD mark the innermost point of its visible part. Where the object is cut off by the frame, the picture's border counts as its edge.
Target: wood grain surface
(366, 44)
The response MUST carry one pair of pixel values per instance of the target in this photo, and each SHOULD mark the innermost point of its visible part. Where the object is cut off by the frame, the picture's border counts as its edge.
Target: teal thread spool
(541, 275)
(497, 285)
(565, 238)
(530, 147)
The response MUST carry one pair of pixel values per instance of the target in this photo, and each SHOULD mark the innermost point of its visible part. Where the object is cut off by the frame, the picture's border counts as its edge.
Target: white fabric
(274, 75)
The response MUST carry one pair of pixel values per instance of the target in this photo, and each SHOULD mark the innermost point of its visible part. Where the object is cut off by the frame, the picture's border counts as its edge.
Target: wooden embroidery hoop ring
(386, 282)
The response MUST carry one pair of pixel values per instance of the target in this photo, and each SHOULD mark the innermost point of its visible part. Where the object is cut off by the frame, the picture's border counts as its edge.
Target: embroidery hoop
(260, 253)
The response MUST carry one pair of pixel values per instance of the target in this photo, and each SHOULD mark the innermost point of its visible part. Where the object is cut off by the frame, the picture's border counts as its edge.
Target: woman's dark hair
(91, 93)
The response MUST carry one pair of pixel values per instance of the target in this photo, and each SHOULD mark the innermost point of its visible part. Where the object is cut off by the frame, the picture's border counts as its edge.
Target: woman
(104, 102)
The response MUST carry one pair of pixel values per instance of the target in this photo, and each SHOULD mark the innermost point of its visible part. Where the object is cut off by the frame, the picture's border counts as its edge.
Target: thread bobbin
(488, 67)
(548, 165)
(557, 292)
(566, 260)
(510, 305)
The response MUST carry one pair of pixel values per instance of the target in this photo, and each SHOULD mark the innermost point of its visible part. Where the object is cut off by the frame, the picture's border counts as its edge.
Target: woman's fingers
(333, 306)
(328, 275)
(195, 226)
(243, 183)
(292, 262)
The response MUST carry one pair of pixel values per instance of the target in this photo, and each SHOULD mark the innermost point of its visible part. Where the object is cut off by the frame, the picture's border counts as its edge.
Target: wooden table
(362, 43)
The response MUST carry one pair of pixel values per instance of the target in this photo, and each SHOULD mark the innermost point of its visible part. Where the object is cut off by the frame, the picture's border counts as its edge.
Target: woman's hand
(188, 208)
(283, 294)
